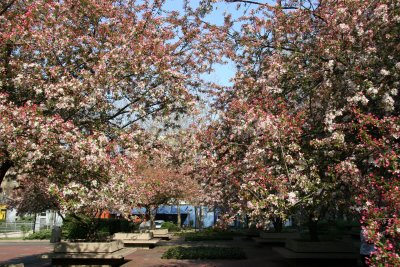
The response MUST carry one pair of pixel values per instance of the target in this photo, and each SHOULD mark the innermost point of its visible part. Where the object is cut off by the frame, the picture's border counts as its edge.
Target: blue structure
(188, 215)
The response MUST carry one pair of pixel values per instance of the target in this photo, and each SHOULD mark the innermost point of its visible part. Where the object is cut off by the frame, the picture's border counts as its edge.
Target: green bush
(25, 218)
(25, 228)
(209, 235)
(331, 230)
(42, 234)
(113, 226)
(83, 227)
(170, 226)
(76, 227)
(204, 253)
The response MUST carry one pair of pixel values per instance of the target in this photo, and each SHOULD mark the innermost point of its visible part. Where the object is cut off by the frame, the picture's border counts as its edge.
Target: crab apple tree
(336, 63)
(256, 166)
(75, 75)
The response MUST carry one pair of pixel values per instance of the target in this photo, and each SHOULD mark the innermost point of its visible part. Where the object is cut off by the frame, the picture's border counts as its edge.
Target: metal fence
(6, 227)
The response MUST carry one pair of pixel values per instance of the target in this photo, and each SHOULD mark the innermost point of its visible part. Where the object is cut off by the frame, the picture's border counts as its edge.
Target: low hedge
(83, 227)
(197, 237)
(42, 234)
(170, 226)
(210, 235)
(204, 253)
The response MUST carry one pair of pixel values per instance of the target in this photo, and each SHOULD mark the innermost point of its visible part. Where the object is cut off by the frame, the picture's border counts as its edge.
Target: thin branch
(260, 4)
(7, 6)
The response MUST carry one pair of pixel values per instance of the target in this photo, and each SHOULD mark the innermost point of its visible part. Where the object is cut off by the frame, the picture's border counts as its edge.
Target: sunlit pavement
(29, 253)
(256, 256)
(26, 252)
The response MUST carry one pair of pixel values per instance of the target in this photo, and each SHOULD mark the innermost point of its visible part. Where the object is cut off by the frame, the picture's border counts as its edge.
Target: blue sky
(222, 73)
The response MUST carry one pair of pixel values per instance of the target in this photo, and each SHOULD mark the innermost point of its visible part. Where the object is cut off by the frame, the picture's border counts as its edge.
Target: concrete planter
(88, 247)
(320, 247)
(159, 231)
(133, 236)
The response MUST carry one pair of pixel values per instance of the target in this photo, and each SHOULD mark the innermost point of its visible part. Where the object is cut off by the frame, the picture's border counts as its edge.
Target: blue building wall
(207, 215)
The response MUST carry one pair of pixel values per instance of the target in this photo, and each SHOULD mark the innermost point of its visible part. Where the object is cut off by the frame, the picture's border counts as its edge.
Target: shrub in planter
(223, 232)
(42, 234)
(208, 236)
(204, 253)
(170, 226)
(77, 227)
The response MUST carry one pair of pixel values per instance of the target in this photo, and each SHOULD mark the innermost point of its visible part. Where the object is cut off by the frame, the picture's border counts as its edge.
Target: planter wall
(136, 236)
(159, 231)
(88, 247)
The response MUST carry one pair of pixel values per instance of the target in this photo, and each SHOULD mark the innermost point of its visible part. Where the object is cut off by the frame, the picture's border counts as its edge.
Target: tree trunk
(214, 216)
(147, 215)
(200, 218)
(313, 228)
(278, 224)
(62, 217)
(34, 222)
(153, 213)
(178, 213)
(5, 166)
(196, 218)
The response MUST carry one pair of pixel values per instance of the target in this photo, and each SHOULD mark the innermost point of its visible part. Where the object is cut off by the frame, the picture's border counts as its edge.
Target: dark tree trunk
(214, 216)
(196, 217)
(313, 228)
(153, 213)
(62, 217)
(5, 166)
(200, 218)
(178, 213)
(278, 224)
(147, 215)
(34, 222)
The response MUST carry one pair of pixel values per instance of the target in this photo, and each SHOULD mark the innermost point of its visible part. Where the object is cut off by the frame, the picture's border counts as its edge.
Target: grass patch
(204, 253)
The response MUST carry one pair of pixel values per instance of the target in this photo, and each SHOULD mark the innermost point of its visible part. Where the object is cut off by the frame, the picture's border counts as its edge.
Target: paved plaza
(30, 253)
(27, 252)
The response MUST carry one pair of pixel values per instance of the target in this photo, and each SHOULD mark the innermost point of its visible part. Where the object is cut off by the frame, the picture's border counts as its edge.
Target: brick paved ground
(29, 253)
(13, 252)
(256, 256)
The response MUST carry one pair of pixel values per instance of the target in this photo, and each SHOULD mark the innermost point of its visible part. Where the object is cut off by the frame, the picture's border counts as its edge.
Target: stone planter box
(88, 247)
(159, 231)
(133, 236)
(90, 254)
(320, 247)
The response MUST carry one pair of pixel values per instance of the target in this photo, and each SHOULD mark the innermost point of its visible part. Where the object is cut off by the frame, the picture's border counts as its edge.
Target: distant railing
(6, 227)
